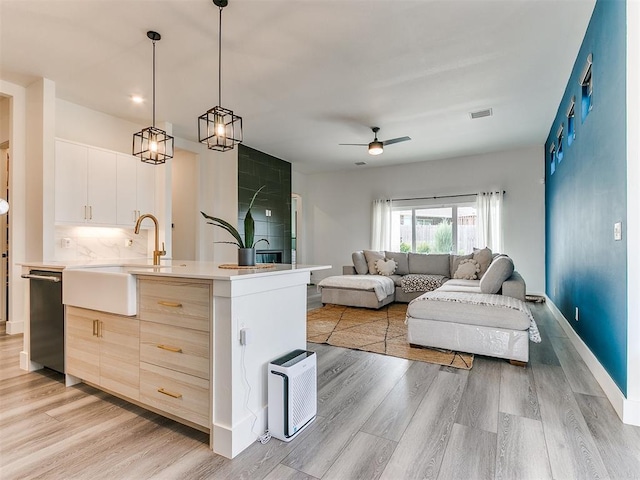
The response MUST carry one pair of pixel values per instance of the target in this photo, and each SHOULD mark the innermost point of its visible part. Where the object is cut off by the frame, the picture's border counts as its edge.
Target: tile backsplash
(92, 243)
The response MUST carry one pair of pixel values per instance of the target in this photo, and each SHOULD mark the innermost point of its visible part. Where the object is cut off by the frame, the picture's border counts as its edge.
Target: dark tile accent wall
(254, 170)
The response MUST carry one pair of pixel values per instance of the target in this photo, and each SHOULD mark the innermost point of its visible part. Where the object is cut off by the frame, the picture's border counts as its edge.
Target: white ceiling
(306, 75)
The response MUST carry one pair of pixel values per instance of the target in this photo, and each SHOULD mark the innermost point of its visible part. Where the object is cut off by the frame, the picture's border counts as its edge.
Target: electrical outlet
(245, 336)
(577, 316)
(66, 243)
(617, 231)
(128, 242)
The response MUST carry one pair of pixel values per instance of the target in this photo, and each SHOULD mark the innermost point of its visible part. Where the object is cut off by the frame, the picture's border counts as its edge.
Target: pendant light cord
(154, 84)
(220, 58)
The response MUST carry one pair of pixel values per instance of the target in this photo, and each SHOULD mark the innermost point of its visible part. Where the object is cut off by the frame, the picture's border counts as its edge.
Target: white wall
(337, 206)
(184, 205)
(83, 125)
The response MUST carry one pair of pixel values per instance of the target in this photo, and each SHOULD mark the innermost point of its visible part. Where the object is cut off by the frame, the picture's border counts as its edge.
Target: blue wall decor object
(585, 267)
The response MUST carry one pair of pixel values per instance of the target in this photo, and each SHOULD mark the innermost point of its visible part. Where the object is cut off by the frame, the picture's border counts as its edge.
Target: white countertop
(178, 268)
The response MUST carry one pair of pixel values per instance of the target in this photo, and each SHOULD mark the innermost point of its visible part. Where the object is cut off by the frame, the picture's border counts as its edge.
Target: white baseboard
(229, 442)
(14, 328)
(627, 410)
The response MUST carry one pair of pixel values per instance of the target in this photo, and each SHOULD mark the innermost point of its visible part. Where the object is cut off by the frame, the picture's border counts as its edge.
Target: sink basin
(107, 289)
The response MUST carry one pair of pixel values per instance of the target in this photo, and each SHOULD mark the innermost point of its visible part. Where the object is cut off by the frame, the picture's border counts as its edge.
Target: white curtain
(381, 225)
(489, 209)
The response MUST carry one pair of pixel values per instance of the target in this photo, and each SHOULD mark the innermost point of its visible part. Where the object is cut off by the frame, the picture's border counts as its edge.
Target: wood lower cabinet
(184, 396)
(161, 359)
(104, 349)
(175, 347)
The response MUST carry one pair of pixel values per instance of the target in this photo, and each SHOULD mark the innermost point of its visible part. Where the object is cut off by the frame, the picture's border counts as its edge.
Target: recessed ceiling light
(137, 99)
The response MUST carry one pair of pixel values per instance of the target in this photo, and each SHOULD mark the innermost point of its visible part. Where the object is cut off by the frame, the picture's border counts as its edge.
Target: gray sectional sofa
(483, 313)
(437, 270)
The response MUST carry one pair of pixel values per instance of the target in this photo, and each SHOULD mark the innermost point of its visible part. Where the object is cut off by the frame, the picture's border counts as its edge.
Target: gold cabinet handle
(169, 304)
(95, 328)
(171, 394)
(99, 328)
(170, 348)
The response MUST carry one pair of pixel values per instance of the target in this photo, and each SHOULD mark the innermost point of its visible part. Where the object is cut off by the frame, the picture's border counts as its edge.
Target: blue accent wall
(586, 196)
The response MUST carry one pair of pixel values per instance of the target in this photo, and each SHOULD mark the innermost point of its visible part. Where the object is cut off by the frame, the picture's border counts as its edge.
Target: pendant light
(219, 129)
(151, 144)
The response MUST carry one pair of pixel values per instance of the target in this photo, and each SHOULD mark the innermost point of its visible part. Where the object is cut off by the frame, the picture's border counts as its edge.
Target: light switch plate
(617, 231)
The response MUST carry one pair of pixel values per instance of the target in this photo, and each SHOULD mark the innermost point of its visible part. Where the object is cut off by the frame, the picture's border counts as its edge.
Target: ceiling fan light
(375, 148)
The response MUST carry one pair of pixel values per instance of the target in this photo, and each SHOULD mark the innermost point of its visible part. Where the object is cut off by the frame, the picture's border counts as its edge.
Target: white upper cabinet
(85, 184)
(70, 182)
(101, 187)
(136, 182)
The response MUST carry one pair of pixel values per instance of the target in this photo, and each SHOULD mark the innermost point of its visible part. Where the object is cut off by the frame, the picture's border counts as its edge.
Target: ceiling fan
(377, 146)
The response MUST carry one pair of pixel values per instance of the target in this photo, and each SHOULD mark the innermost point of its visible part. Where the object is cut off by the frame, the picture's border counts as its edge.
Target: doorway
(4, 233)
(296, 220)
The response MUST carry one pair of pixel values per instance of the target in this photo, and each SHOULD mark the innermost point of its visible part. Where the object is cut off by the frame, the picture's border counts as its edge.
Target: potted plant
(246, 248)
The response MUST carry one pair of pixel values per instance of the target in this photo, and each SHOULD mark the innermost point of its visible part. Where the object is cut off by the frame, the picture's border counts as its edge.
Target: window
(560, 137)
(434, 229)
(552, 159)
(571, 122)
(586, 81)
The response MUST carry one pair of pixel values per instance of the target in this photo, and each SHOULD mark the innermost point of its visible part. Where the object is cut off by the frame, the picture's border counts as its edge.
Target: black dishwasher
(47, 319)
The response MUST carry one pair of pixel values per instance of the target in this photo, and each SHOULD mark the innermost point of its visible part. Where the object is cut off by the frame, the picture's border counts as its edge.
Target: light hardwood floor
(378, 417)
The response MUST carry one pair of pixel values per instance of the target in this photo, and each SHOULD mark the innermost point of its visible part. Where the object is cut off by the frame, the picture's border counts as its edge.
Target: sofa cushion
(483, 257)
(372, 257)
(500, 270)
(386, 267)
(397, 279)
(467, 269)
(360, 263)
(429, 264)
(402, 260)
(460, 285)
(455, 260)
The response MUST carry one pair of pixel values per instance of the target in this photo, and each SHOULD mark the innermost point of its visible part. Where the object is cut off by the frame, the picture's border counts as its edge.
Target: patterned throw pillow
(386, 267)
(467, 270)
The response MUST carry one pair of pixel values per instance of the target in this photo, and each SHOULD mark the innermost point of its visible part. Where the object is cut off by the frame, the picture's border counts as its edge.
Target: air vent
(361, 163)
(482, 113)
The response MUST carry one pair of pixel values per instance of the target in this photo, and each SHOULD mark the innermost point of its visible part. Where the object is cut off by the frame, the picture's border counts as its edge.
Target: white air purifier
(292, 391)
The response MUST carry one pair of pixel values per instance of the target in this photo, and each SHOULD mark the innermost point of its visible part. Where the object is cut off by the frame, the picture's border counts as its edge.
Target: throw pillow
(483, 257)
(401, 259)
(386, 267)
(372, 257)
(467, 270)
(499, 271)
(455, 262)
(360, 263)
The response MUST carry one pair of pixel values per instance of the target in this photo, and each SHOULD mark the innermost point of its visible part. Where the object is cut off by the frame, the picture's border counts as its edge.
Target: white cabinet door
(136, 189)
(70, 182)
(101, 186)
(127, 189)
(146, 188)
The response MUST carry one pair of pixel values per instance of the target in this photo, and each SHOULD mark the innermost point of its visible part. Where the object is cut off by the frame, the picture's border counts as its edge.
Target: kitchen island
(187, 361)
